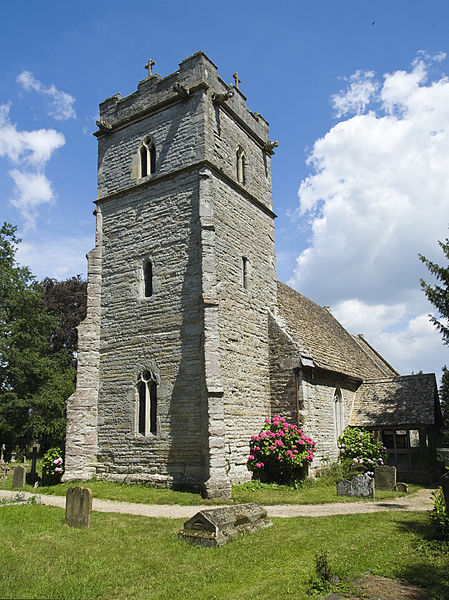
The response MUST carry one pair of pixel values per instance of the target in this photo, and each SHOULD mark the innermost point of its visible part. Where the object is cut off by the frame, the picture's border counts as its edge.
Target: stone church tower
(173, 372)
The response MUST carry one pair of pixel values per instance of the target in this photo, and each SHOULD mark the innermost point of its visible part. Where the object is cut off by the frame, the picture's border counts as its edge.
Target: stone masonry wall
(161, 333)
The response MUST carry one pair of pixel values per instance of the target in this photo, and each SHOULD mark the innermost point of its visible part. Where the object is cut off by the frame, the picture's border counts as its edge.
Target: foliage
(360, 450)
(113, 559)
(66, 300)
(438, 295)
(36, 377)
(439, 515)
(52, 466)
(280, 451)
(444, 401)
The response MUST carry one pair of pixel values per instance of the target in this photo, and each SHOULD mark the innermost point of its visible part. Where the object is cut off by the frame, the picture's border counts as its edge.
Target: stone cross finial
(150, 64)
(236, 79)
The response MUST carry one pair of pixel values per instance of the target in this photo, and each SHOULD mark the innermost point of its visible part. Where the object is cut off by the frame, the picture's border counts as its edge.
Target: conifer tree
(438, 294)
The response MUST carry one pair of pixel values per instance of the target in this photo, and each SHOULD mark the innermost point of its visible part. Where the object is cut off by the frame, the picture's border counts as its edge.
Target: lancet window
(147, 404)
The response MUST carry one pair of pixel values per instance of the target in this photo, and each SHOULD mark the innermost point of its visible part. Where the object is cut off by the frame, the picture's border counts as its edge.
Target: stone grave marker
(361, 486)
(214, 527)
(18, 478)
(385, 477)
(32, 476)
(78, 506)
(2, 453)
(401, 487)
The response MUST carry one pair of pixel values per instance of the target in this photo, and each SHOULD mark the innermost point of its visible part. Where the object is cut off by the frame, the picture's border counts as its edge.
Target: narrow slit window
(241, 165)
(143, 161)
(152, 159)
(148, 278)
(153, 407)
(245, 272)
(141, 389)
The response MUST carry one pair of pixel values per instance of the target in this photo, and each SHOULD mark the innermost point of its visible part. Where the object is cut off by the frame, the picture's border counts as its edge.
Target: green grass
(124, 556)
(319, 491)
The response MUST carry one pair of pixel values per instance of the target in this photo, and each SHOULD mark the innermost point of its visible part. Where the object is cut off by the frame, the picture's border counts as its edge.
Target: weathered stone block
(385, 477)
(216, 526)
(402, 487)
(361, 486)
(78, 506)
(18, 478)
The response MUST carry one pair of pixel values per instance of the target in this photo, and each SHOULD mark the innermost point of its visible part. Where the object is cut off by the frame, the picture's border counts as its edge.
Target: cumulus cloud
(29, 151)
(377, 195)
(61, 103)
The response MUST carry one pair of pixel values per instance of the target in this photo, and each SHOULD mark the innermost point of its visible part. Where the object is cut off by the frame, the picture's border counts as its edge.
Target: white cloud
(56, 257)
(377, 195)
(61, 103)
(31, 190)
(30, 151)
(362, 87)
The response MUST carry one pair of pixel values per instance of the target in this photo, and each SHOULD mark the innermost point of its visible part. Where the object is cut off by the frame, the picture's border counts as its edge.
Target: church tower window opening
(241, 165)
(245, 267)
(339, 413)
(147, 157)
(147, 404)
(148, 278)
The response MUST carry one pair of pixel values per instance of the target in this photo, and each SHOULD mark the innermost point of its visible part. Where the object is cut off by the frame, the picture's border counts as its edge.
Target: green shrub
(360, 451)
(280, 452)
(52, 467)
(439, 515)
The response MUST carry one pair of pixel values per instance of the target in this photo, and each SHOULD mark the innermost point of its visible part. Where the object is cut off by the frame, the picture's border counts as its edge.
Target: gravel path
(420, 501)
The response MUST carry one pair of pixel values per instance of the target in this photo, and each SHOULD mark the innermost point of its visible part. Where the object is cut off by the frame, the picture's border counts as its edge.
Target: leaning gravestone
(78, 506)
(18, 478)
(361, 486)
(216, 526)
(401, 487)
(385, 477)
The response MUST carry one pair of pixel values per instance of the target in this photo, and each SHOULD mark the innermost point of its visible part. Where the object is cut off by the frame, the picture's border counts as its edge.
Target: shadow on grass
(429, 567)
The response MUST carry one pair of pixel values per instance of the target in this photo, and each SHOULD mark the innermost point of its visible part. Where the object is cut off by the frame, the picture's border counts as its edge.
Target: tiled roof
(326, 341)
(397, 401)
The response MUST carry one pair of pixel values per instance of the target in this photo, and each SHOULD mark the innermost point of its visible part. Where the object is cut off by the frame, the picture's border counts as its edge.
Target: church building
(190, 343)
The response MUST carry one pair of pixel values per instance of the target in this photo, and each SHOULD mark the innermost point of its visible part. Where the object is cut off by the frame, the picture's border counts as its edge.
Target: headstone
(445, 486)
(360, 486)
(32, 476)
(385, 477)
(402, 487)
(18, 478)
(2, 453)
(78, 506)
(216, 526)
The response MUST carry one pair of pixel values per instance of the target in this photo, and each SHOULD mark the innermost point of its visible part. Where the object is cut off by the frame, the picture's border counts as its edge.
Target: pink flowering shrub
(52, 466)
(360, 451)
(280, 452)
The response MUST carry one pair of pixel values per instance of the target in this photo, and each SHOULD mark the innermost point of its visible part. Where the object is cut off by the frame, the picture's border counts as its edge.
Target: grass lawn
(124, 556)
(317, 491)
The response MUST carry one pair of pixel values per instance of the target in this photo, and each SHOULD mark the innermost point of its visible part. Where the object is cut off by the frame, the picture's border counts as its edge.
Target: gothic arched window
(147, 404)
(339, 413)
(147, 157)
(241, 165)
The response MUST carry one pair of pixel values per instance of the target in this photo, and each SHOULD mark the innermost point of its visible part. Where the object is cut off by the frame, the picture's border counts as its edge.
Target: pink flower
(301, 442)
(251, 457)
(271, 447)
(256, 448)
(295, 451)
(267, 421)
(58, 469)
(279, 457)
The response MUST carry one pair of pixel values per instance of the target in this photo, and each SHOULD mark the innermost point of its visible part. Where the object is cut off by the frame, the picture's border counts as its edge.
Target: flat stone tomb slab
(214, 527)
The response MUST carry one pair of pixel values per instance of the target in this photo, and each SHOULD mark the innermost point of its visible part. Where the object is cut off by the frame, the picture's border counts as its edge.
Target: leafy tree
(36, 375)
(67, 301)
(438, 295)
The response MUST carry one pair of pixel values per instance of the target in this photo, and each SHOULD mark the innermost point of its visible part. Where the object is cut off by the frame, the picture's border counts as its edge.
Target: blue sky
(354, 91)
